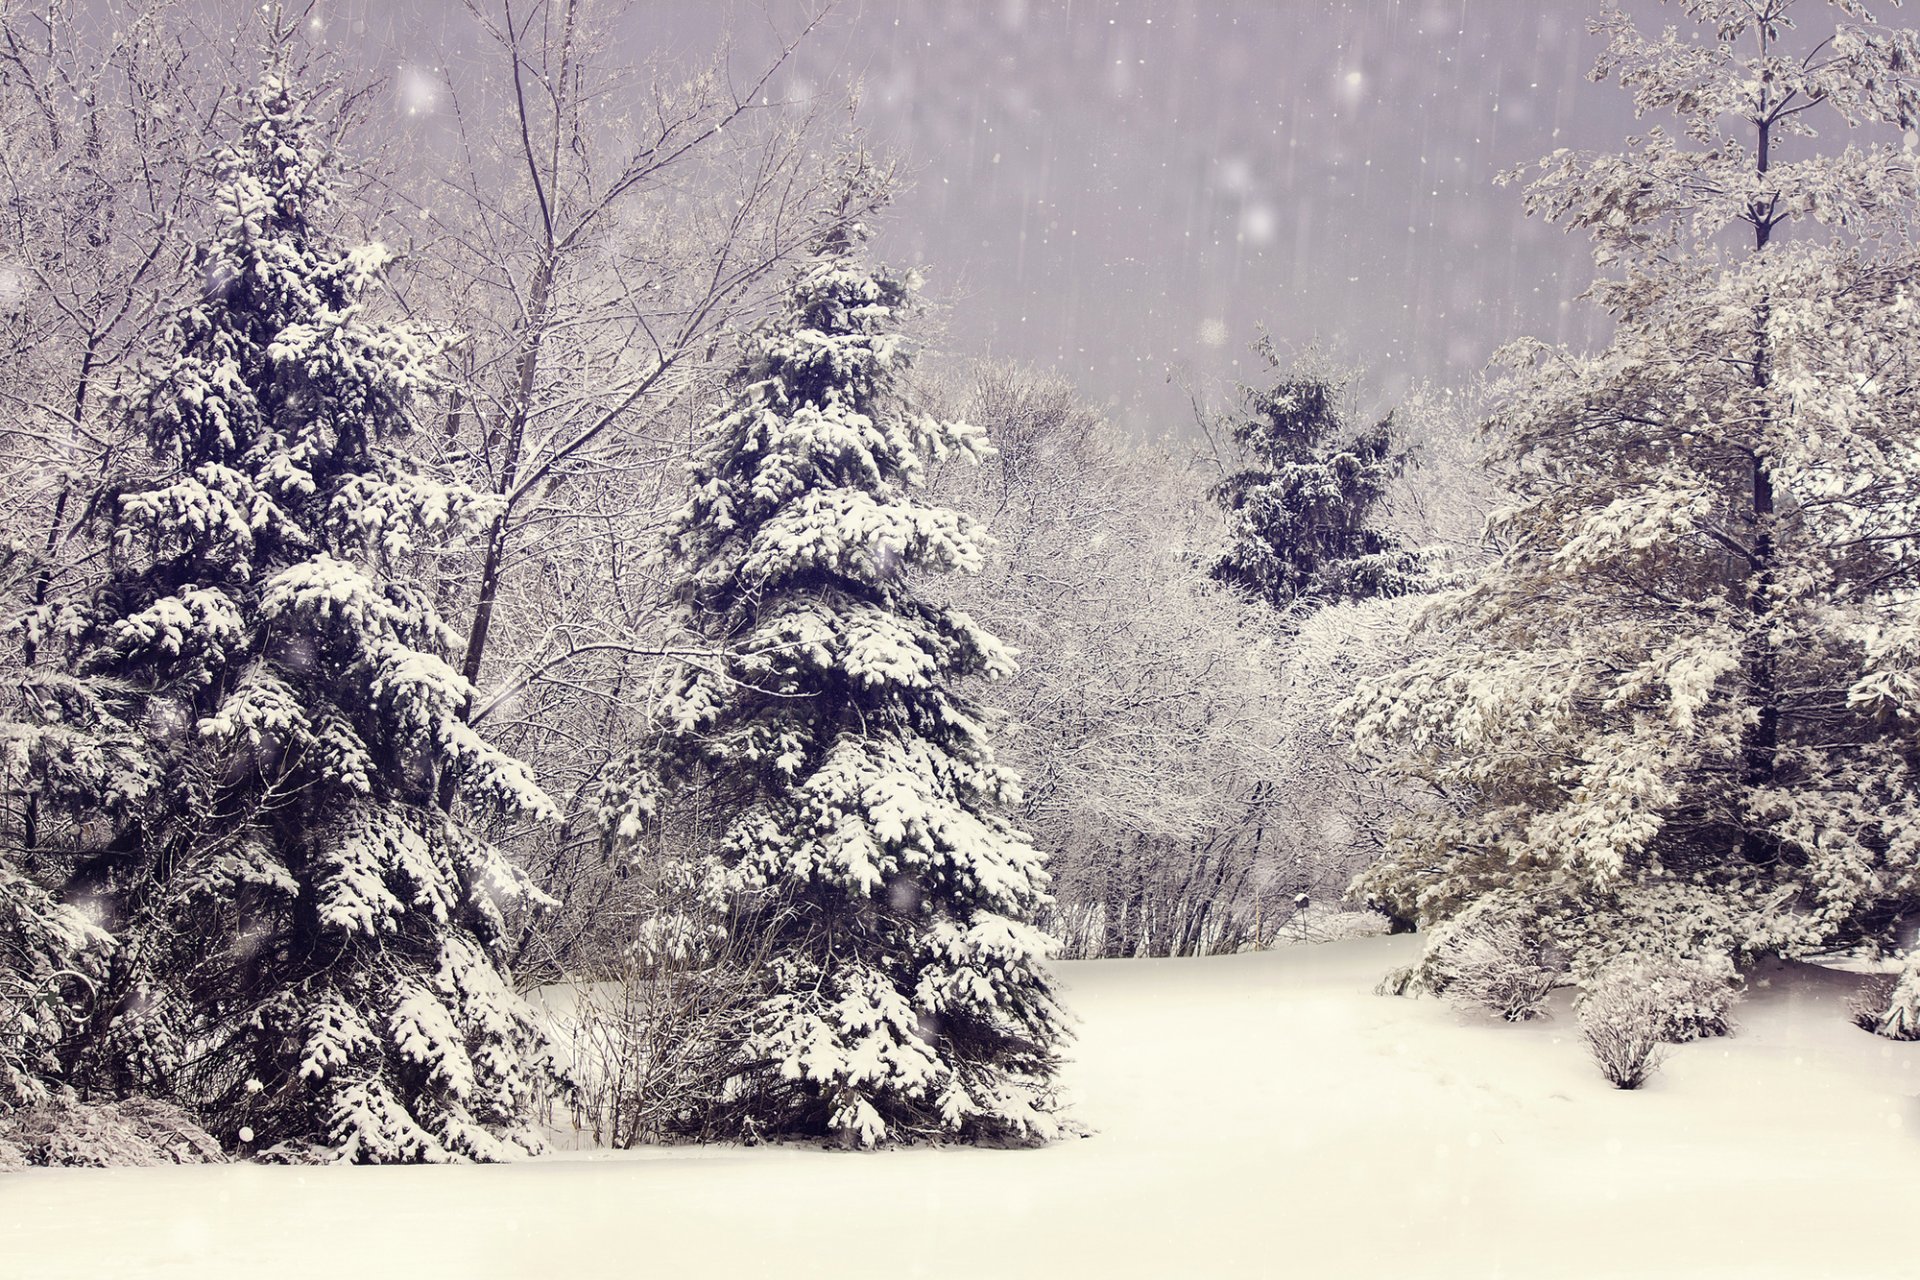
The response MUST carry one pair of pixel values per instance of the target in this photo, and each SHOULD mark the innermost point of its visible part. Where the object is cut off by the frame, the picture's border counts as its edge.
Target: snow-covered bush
(1694, 994)
(1632, 1005)
(1189, 903)
(650, 1053)
(1491, 958)
(51, 958)
(651, 1045)
(1888, 1004)
(1315, 924)
(61, 1131)
(1621, 1020)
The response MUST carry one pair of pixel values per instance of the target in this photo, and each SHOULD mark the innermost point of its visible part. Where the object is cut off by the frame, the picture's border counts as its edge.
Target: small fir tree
(307, 940)
(1677, 715)
(827, 762)
(1301, 512)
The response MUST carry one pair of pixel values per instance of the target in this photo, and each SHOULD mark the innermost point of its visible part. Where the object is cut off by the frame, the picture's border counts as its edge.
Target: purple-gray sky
(1119, 188)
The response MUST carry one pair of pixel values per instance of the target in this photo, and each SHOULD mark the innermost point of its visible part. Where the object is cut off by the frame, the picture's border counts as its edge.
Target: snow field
(1256, 1115)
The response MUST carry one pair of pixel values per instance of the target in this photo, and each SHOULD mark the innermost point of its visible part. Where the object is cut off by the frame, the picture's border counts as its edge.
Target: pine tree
(1678, 714)
(1301, 512)
(306, 940)
(845, 788)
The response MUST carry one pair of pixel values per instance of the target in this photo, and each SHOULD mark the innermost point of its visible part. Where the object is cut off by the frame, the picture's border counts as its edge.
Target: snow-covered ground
(1256, 1115)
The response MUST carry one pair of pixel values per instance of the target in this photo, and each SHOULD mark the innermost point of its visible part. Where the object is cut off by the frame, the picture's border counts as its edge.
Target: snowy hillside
(1255, 1115)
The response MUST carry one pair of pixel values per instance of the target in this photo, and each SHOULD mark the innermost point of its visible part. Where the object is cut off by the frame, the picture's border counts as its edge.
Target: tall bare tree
(593, 230)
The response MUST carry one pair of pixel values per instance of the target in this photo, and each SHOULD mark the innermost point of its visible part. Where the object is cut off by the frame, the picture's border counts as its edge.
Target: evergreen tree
(1300, 512)
(843, 787)
(306, 939)
(1678, 714)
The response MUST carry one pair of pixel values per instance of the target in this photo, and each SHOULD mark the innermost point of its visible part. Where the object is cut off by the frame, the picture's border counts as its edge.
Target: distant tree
(1676, 715)
(1143, 716)
(842, 785)
(306, 939)
(1302, 512)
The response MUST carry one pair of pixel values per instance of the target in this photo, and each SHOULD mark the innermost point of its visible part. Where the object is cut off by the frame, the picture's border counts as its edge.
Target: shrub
(1621, 1019)
(1888, 1004)
(137, 1132)
(1490, 959)
(650, 1047)
(650, 1052)
(1403, 981)
(1695, 995)
(1633, 1005)
(1868, 1005)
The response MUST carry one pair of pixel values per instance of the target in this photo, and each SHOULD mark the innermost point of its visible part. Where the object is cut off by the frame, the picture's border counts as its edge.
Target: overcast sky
(1122, 188)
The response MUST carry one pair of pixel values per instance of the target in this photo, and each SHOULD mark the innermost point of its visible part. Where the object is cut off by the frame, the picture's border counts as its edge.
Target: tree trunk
(526, 369)
(1760, 757)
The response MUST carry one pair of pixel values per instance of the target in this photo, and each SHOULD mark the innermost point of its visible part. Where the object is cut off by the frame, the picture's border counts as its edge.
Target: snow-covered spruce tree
(847, 788)
(305, 938)
(1301, 512)
(1678, 713)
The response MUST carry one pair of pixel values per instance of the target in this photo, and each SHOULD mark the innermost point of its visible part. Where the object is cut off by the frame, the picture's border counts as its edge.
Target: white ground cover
(1254, 1115)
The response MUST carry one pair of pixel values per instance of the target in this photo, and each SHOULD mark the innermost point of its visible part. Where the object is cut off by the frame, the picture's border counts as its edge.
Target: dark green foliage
(1301, 512)
(839, 786)
(304, 938)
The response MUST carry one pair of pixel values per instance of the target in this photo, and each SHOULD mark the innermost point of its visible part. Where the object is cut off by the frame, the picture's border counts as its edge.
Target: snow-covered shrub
(651, 1047)
(1676, 941)
(1696, 995)
(50, 957)
(1635, 1003)
(1693, 994)
(62, 1131)
(1329, 924)
(1888, 1004)
(1213, 916)
(1491, 958)
(1402, 981)
(1621, 1020)
(1190, 904)
(651, 1053)
(1867, 1007)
